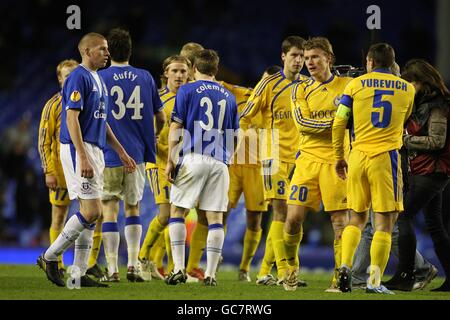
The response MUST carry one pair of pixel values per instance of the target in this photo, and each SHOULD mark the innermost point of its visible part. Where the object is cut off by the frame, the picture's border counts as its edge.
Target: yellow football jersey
(271, 99)
(248, 156)
(380, 104)
(162, 146)
(48, 140)
(314, 105)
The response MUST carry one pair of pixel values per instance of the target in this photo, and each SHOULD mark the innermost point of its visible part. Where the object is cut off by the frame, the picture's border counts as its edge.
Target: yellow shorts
(158, 184)
(247, 179)
(314, 182)
(60, 197)
(375, 180)
(276, 178)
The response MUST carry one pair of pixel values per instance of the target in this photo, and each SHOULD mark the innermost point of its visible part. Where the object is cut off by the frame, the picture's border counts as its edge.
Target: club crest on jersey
(75, 96)
(86, 186)
(337, 100)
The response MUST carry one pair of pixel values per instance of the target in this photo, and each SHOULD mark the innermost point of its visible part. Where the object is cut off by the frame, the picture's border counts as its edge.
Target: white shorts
(124, 186)
(79, 187)
(201, 181)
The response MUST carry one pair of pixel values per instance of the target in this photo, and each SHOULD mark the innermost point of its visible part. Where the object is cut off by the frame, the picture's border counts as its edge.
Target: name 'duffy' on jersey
(125, 75)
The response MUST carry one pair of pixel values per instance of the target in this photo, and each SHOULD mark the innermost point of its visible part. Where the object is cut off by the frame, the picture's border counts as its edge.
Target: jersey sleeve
(47, 127)
(340, 122)
(257, 100)
(179, 109)
(75, 89)
(302, 114)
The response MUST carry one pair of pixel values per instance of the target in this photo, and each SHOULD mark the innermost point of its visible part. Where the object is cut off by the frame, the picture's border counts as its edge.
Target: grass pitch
(29, 282)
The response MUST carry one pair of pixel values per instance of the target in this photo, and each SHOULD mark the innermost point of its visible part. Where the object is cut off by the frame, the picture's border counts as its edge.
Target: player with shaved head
(84, 134)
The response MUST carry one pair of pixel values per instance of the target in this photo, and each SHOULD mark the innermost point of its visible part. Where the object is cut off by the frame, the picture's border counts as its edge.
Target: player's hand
(128, 163)
(51, 182)
(170, 168)
(341, 169)
(87, 170)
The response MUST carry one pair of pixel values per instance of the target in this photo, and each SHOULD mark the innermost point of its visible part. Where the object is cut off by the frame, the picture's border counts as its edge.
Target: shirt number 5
(383, 109)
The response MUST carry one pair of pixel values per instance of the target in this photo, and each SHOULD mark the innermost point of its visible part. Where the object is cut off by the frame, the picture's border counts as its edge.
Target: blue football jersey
(82, 92)
(210, 119)
(133, 101)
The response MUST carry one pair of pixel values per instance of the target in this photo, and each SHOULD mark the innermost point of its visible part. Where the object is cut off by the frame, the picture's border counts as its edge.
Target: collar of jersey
(329, 80)
(382, 70)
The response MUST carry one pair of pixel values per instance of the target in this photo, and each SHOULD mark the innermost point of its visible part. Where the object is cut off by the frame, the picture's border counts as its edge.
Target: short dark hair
(290, 42)
(119, 44)
(272, 70)
(382, 54)
(207, 62)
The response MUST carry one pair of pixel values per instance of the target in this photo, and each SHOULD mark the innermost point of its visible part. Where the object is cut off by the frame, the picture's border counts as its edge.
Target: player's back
(208, 113)
(133, 102)
(381, 104)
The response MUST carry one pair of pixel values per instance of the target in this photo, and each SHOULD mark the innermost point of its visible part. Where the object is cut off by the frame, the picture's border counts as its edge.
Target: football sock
(197, 246)
(53, 236)
(95, 248)
(379, 256)
(83, 246)
(154, 230)
(111, 241)
(276, 229)
(268, 259)
(177, 231)
(158, 250)
(292, 247)
(351, 236)
(67, 237)
(133, 233)
(214, 244)
(337, 246)
(168, 250)
(251, 242)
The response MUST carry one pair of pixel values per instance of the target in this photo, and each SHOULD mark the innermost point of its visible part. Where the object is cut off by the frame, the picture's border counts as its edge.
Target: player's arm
(73, 125)
(258, 100)
(437, 133)
(161, 119)
(301, 114)
(46, 134)
(128, 162)
(338, 133)
(178, 119)
(175, 134)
